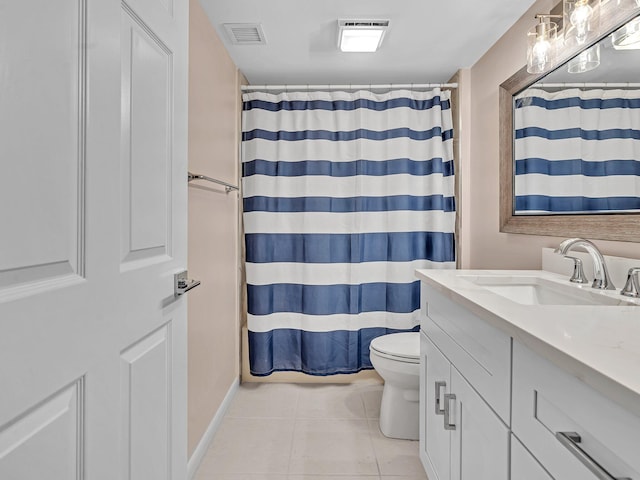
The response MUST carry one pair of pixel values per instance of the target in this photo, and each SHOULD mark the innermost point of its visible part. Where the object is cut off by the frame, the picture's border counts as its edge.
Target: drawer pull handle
(439, 386)
(571, 441)
(447, 411)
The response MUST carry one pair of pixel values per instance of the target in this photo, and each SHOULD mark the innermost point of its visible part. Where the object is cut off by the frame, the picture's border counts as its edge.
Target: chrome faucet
(600, 274)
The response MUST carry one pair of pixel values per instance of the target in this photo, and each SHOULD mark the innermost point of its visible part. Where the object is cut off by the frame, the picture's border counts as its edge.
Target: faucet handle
(631, 288)
(578, 272)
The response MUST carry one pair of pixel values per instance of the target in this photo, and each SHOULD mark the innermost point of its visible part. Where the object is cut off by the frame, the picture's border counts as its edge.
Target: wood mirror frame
(609, 226)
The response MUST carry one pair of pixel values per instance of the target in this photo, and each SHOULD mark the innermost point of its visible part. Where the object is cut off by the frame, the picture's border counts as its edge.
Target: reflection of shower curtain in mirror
(345, 195)
(577, 151)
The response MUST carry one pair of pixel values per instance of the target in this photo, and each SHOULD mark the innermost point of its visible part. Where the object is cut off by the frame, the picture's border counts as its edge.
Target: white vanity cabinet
(461, 437)
(547, 402)
(528, 391)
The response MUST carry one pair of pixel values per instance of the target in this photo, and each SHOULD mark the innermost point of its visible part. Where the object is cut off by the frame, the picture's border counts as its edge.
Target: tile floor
(307, 432)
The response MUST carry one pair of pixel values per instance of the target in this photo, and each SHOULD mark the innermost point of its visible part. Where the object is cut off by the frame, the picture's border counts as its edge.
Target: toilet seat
(400, 347)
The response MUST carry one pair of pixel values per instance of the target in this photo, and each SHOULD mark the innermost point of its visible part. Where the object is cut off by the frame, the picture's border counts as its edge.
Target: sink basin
(532, 290)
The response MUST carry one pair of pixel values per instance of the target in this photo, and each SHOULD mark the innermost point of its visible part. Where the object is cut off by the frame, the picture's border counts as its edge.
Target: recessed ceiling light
(361, 35)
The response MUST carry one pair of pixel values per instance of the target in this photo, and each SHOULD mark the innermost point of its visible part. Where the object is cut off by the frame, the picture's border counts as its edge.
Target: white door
(92, 228)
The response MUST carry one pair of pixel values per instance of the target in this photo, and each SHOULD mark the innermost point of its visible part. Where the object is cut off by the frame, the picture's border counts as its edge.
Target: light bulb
(580, 18)
(541, 48)
(587, 60)
(540, 53)
(583, 62)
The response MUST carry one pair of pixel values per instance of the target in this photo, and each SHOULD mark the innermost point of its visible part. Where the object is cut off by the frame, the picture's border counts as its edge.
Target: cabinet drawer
(479, 351)
(547, 400)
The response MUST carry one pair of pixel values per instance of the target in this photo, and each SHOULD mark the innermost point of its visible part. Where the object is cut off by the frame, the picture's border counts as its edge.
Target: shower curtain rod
(588, 85)
(350, 86)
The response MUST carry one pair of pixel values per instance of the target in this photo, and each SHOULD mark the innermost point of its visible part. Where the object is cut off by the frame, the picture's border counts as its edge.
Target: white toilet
(396, 358)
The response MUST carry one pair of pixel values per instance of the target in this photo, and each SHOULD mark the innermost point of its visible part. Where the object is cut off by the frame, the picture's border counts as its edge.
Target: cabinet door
(523, 465)
(480, 441)
(434, 439)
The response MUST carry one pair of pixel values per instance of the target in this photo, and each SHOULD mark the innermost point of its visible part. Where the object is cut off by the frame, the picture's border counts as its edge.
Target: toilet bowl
(396, 358)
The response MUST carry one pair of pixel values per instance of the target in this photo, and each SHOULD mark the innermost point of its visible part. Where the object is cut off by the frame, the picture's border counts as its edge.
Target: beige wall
(483, 246)
(214, 111)
(461, 112)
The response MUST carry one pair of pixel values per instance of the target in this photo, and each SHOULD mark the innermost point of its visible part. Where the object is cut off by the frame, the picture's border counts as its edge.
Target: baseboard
(205, 441)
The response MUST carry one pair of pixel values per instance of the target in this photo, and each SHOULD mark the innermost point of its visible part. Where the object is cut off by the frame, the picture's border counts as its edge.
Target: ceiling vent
(245, 33)
(364, 23)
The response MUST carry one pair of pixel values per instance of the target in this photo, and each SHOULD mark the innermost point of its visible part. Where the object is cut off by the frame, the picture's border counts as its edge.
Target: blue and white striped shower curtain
(577, 151)
(344, 195)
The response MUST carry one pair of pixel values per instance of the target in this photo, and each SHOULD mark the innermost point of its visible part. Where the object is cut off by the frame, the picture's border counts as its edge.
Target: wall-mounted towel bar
(227, 186)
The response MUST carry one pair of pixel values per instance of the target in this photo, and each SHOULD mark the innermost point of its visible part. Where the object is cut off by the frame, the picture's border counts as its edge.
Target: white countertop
(598, 344)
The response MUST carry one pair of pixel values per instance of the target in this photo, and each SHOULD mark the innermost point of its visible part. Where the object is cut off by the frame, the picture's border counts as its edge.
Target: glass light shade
(629, 4)
(587, 60)
(360, 40)
(581, 20)
(627, 37)
(541, 46)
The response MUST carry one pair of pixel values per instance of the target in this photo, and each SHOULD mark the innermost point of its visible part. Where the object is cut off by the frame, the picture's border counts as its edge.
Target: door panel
(435, 440)
(41, 149)
(46, 441)
(146, 394)
(146, 137)
(480, 442)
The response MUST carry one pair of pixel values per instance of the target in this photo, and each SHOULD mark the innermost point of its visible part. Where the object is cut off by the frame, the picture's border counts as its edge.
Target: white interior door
(93, 98)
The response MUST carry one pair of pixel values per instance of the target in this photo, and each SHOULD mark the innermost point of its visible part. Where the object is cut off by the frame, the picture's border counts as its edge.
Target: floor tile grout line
(297, 422)
(373, 448)
(293, 433)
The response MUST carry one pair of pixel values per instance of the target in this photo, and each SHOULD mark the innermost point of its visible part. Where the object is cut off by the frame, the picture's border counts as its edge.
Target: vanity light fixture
(361, 35)
(581, 20)
(541, 44)
(587, 60)
(627, 37)
(626, 4)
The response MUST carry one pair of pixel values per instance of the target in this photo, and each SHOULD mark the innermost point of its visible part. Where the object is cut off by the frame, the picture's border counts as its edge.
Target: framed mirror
(570, 141)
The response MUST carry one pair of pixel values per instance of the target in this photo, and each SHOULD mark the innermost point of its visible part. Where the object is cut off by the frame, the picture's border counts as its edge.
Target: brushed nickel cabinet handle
(571, 441)
(439, 386)
(448, 397)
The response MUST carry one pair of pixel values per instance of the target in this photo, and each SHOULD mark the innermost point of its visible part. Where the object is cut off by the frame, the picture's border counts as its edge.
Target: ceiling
(427, 40)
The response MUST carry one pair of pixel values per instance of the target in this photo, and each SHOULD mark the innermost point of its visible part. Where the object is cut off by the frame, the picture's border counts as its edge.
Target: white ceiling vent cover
(245, 33)
(364, 23)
